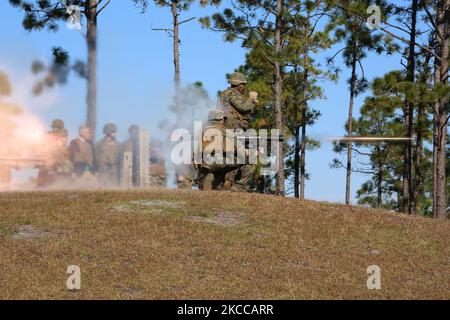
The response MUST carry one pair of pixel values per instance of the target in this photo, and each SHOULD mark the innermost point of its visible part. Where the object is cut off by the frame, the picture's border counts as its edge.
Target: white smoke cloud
(22, 82)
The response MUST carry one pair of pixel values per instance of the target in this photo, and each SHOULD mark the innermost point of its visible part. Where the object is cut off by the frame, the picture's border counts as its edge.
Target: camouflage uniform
(82, 156)
(238, 109)
(211, 176)
(239, 179)
(107, 158)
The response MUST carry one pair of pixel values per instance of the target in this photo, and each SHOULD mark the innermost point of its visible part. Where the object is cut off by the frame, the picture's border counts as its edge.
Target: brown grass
(193, 245)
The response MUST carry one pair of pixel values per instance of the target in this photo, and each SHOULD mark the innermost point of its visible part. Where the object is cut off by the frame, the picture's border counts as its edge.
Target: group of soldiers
(83, 164)
(235, 112)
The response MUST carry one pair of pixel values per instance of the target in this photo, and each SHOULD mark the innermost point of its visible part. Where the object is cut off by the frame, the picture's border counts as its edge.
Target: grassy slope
(282, 249)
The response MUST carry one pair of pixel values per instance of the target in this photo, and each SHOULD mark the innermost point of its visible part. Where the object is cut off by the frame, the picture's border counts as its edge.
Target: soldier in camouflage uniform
(82, 155)
(211, 176)
(158, 174)
(57, 170)
(238, 110)
(107, 158)
(237, 106)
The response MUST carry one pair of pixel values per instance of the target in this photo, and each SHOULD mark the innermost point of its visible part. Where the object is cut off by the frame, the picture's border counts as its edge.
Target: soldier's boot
(230, 178)
(238, 188)
(227, 185)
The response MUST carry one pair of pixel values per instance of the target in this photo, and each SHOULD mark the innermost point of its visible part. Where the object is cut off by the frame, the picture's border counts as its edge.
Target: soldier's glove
(254, 96)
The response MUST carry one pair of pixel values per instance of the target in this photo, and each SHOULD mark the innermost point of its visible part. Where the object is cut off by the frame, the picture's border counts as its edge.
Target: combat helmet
(58, 124)
(237, 78)
(216, 115)
(110, 128)
(133, 130)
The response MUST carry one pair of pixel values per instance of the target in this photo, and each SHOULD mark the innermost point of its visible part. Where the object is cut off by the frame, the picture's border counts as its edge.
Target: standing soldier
(82, 155)
(107, 157)
(238, 110)
(57, 170)
(237, 106)
(63, 167)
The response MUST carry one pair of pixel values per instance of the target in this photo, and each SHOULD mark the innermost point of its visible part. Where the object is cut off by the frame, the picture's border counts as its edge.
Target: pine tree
(441, 107)
(176, 7)
(46, 15)
(358, 40)
(57, 71)
(305, 40)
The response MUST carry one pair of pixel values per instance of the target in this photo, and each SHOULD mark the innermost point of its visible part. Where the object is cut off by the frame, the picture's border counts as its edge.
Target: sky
(135, 72)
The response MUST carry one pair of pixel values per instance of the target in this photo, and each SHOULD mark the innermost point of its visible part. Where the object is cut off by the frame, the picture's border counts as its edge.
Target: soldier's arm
(241, 103)
(73, 149)
(97, 148)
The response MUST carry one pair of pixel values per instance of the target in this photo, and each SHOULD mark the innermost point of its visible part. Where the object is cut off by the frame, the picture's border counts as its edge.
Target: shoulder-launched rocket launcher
(22, 163)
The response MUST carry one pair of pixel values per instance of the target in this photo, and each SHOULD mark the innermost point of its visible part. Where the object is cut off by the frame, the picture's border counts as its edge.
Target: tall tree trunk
(437, 78)
(441, 120)
(297, 162)
(380, 181)
(418, 157)
(408, 193)
(296, 133)
(350, 131)
(303, 155)
(421, 118)
(91, 39)
(406, 166)
(305, 108)
(279, 93)
(176, 60)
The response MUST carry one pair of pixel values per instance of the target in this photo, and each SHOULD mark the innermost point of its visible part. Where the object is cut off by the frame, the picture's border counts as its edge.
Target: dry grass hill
(193, 245)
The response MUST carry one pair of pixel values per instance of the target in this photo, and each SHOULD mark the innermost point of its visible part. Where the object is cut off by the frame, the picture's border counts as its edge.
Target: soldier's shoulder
(113, 143)
(229, 92)
(100, 142)
(212, 126)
